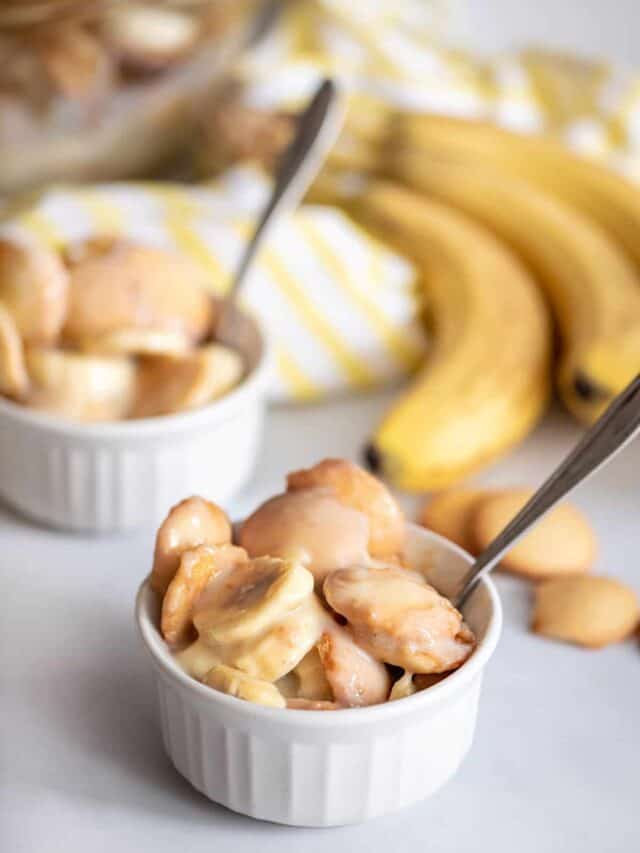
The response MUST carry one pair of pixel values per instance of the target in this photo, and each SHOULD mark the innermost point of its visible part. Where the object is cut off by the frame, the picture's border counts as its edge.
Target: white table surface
(555, 762)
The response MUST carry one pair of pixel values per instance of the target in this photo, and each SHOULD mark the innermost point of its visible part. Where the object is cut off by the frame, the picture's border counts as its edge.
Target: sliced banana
(197, 659)
(147, 38)
(310, 526)
(269, 656)
(403, 687)
(235, 683)
(121, 285)
(312, 705)
(222, 370)
(399, 619)
(197, 567)
(34, 288)
(356, 488)
(138, 342)
(408, 684)
(14, 380)
(83, 387)
(170, 385)
(250, 600)
(281, 648)
(355, 678)
(311, 680)
(192, 522)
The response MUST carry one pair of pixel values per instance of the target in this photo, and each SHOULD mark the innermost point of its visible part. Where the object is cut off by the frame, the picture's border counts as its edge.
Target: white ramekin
(110, 477)
(320, 768)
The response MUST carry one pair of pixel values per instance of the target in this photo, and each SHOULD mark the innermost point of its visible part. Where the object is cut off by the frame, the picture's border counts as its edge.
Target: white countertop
(554, 763)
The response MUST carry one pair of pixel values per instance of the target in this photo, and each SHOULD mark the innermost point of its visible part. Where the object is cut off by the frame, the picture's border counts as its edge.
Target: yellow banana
(364, 132)
(590, 283)
(614, 361)
(600, 192)
(486, 381)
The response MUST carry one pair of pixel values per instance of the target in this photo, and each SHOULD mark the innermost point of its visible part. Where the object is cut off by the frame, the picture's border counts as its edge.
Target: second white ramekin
(112, 477)
(320, 768)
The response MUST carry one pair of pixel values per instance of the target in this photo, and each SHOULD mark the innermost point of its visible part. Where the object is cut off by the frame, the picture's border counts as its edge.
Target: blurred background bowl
(117, 476)
(76, 108)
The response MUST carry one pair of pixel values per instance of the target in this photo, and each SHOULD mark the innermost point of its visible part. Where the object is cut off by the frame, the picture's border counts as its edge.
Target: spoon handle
(316, 132)
(609, 434)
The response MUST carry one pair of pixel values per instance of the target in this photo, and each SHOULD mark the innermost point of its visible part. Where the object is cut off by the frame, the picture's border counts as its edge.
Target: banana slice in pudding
(197, 567)
(410, 683)
(138, 342)
(336, 669)
(356, 488)
(260, 617)
(197, 659)
(120, 285)
(82, 387)
(167, 385)
(271, 657)
(311, 679)
(242, 686)
(312, 705)
(34, 288)
(245, 603)
(310, 526)
(14, 380)
(192, 522)
(399, 619)
(356, 679)
(403, 687)
(281, 648)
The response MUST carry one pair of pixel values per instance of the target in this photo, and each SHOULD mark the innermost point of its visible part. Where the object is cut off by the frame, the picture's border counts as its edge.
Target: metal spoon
(610, 433)
(317, 129)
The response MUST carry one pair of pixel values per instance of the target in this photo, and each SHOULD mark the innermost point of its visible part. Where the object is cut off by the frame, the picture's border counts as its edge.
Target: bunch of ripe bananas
(529, 259)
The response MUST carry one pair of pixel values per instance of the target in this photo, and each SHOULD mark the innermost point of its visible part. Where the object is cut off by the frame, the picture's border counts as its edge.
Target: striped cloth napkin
(342, 309)
(400, 53)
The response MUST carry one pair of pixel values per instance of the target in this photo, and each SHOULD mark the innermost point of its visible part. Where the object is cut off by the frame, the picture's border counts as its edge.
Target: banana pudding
(313, 608)
(104, 90)
(108, 330)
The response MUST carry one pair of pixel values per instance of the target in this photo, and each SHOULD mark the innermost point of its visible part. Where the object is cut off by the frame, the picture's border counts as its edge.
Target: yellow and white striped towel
(341, 307)
(398, 53)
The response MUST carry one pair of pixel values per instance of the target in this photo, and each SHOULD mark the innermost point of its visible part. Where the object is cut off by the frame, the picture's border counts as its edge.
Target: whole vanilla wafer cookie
(587, 610)
(449, 514)
(562, 543)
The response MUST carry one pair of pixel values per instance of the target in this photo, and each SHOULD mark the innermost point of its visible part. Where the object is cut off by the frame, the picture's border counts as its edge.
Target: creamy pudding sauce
(303, 614)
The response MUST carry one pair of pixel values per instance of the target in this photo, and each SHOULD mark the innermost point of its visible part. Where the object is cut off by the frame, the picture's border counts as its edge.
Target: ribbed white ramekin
(320, 768)
(109, 477)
